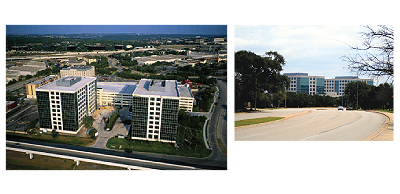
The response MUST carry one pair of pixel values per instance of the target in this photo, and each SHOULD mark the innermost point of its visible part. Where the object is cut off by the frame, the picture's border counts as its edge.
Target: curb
(381, 129)
(266, 123)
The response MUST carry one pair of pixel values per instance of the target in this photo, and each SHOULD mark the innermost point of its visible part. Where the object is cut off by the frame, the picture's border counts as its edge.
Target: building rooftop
(184, 91)
(68, 83)
(294, 74)
(157, 88)
(79, 67)
(117, 87)
(346, 77)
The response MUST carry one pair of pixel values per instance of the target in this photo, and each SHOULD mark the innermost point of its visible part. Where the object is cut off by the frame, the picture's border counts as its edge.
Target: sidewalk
(385, 133)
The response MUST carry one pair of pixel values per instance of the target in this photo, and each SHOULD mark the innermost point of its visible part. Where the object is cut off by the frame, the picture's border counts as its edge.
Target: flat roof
(117, 87)
(346, 77)
(185, 92)
(157, 88)
(73, 87)
(294, 74)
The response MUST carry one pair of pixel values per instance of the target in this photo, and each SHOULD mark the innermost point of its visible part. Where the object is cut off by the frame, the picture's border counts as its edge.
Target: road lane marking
(332, 129)
(320, 113)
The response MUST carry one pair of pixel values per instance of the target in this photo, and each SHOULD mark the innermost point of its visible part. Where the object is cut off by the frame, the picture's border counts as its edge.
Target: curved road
(318, 125)
(218, 127)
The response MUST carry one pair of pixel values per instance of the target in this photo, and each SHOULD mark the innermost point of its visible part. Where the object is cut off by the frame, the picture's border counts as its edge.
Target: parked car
(340, 108)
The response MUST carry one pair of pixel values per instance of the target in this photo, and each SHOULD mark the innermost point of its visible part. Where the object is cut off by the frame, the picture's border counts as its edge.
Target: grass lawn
(21, 161)
(256, 121)
(390, 111)
(156, 147)
(63, 139)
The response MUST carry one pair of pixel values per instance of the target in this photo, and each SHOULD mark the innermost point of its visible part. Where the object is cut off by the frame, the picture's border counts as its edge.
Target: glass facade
(139, 116)
(43, 104)
(169, 119)
(320, 85)
(302, 85)
(69, 104)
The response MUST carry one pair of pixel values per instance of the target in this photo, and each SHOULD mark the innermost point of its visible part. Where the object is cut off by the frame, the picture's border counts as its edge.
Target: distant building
(155, 58)
(78, 70)
(95, 47)
(119, 47)
(219, 40)
(336, 87)
(31, 87)
(10, 105)
(64, 103)
(155, 107)
(302, 83)
(89, 59)
(29, 68)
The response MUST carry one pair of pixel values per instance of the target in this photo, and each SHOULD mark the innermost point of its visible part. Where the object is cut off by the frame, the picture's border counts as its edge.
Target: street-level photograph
(314, 83)
(116, 97)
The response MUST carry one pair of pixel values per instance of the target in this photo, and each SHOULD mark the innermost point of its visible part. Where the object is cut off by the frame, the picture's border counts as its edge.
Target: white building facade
(64, 103)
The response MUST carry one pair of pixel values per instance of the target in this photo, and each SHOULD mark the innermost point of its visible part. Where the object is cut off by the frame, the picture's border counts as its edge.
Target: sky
(316, 50)
(153, 29)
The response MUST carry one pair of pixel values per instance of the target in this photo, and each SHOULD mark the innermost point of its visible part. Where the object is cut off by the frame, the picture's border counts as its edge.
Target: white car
(340, 108)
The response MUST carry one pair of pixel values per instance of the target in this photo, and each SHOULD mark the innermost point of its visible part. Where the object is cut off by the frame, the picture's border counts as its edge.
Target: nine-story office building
(64, 103)
(155, 107)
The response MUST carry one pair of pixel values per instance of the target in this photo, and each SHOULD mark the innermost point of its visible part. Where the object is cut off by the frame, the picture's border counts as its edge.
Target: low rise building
(89, 59)
(78, 70)
(116, 94)
(31, 87)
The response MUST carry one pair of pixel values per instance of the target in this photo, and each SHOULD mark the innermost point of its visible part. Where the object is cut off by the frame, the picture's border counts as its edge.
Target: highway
(144, 161)
(327, 124)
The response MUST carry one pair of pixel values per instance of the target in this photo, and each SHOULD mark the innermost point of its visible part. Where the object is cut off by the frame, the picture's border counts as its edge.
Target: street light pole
(255, 100)
(357, 90)
(285, 92)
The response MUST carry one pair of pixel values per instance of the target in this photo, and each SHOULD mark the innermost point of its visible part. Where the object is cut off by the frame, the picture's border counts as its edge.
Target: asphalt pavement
(327, 124)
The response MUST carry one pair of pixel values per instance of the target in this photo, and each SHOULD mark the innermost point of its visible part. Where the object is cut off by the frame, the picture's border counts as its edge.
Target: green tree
(88, 121)
(360, 95)
(254, 74)
(54, 133)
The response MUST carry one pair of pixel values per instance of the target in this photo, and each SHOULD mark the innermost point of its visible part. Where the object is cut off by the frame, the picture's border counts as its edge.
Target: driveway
(119, 128)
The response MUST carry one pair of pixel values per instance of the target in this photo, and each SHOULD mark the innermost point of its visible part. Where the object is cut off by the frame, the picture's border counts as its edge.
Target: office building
(64, 103)
(155, 107)
(31, 87)
(116, 94)
(78, 70)
(336, 87)
(303, 83)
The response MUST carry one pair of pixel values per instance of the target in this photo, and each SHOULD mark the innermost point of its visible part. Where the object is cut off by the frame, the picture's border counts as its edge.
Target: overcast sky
(315, 50)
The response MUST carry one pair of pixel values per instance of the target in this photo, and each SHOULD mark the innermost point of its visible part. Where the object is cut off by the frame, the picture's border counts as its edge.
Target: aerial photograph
(314, 83)
(116, 97)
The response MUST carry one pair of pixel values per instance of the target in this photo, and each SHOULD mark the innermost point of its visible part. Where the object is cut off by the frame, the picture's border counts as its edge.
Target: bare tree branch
(378, 46)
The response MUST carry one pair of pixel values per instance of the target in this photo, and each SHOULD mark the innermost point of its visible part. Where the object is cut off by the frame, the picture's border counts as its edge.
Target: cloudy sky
(315, 50)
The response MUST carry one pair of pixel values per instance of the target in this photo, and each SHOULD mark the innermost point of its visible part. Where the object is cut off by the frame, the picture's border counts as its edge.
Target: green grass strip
(390, 111)
(256, 121)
